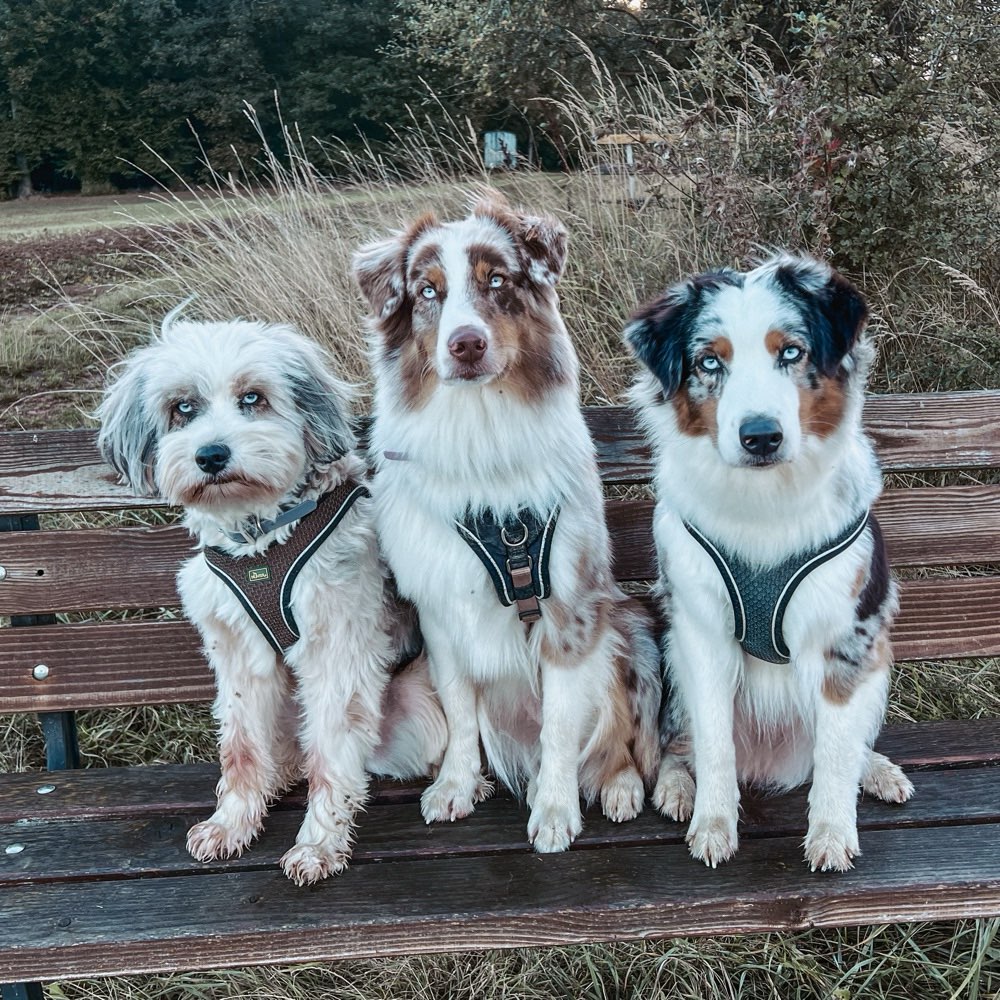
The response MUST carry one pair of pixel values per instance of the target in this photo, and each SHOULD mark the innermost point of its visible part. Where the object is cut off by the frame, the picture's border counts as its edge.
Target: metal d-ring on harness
(515, 552)
(519, 567)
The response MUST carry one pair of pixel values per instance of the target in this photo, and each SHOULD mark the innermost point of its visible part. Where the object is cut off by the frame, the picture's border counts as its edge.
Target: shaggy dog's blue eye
(496, 280)
(791, 354)
(249, 399)
(710, 363)
(429, 292)
(185, 408)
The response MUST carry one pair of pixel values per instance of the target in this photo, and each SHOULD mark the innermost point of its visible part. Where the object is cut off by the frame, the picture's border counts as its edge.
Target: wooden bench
(95, 879)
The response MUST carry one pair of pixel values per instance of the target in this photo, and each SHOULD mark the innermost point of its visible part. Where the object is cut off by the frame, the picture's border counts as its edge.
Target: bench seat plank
(137, 792)
(160, 662)
(122, 568)
(65, 849)
(132, 925)
(57, 470)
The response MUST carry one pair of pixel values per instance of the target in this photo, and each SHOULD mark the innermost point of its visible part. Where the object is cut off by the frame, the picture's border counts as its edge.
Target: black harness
(262, 583)
(760, 596)
(515, 552)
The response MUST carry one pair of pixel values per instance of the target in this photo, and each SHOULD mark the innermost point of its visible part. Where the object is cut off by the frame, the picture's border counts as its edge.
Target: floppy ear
(660, 331)
(657, 333)
(378, 270)
(541, 239)
(129, 431)
(835, 311)
(380, 267)
(321, 398)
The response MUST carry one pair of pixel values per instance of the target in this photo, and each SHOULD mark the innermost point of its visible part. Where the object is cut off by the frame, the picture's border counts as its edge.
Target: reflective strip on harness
(262, 583)
(760, 596)
(515, 553)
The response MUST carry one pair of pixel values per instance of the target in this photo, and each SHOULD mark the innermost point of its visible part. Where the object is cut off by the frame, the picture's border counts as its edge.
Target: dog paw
(306, 864)
(712, 840)
(623, 796)
(553, 827)
(446, 800)
(886, 781)
(829, 848)
(210, 841)
(673, 796)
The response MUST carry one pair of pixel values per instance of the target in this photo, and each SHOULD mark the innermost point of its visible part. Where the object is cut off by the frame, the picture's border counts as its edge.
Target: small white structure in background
(500, 150)
(628, 140)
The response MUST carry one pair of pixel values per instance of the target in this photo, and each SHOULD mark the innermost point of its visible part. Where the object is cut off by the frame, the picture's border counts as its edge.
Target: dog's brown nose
(467, 344)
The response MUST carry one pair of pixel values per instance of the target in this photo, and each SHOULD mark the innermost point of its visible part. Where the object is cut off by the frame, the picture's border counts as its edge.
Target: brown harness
(262, 583)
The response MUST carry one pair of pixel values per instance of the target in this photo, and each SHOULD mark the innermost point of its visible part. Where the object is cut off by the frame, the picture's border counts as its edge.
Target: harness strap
(263, 582)
(515, 553)
(760, 595)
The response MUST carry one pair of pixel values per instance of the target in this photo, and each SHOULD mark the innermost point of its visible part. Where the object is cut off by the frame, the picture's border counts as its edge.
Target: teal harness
(760, 596)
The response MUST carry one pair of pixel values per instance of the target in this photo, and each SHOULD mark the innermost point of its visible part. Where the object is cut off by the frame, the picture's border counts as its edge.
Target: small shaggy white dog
(489, 508)
(244, 426)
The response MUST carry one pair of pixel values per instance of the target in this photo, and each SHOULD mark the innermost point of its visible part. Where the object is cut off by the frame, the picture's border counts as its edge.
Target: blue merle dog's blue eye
(791, 354)
(710, 363)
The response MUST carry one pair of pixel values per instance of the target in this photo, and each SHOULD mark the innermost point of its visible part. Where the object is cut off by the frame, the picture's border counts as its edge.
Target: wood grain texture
(156, 663)
(60, 470)
(135, 793)
(92, 570)
(949, 526)
(489, 901)
(61, 850)
(125, 568)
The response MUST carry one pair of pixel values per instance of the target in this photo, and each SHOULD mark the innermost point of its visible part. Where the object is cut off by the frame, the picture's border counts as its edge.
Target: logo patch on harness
(258, 574)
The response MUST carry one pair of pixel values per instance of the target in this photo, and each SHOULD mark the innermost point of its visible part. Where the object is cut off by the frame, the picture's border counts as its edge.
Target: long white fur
(751, 720)
(328, 710)
(480, 446)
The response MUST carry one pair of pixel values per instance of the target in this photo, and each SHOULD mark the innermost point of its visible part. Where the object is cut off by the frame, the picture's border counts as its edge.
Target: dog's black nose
(467, 344)
(212, 458)
(761, 436)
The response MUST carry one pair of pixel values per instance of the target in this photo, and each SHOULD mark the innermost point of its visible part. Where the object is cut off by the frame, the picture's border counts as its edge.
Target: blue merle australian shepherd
(773, 570)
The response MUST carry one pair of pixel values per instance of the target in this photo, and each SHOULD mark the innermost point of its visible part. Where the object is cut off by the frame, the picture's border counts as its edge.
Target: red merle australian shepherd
(490, 513)
(773, 570)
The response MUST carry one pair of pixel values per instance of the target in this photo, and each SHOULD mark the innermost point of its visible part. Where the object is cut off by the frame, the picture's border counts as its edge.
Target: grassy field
(284, 255)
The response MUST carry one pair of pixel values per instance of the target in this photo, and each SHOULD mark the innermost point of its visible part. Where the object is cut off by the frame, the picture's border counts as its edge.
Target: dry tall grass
(274, 243)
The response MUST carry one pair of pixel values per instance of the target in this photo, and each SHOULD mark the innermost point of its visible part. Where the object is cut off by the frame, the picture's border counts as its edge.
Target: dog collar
(254, 528)
(262, 583)
(760, 596)
(515, 552)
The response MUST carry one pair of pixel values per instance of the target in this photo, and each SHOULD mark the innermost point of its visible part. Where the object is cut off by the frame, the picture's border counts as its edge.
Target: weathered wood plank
(56, 851)
(155, 663)
(922, 527)
(60, 470)
(113, 569)
(493, 901)
(102, 569)
(133, 793)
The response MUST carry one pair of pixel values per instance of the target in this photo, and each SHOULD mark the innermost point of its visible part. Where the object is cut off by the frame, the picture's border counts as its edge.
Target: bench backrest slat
(134, 568)
(44, 471)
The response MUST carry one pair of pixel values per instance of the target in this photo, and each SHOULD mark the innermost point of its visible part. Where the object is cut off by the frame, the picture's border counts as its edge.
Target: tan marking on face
(246, 384)
(775, 341)
(527, 337)
(695, 418)
(821, 410)
(722, 347)
(416, 368)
